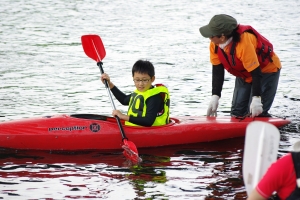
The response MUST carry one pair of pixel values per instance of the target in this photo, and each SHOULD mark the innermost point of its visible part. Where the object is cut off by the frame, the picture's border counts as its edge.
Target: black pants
(242, 95)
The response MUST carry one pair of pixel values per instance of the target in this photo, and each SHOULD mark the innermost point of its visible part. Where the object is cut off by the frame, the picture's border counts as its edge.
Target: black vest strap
(232, 53)
(216, 49)
(296, 160)
(268, 55)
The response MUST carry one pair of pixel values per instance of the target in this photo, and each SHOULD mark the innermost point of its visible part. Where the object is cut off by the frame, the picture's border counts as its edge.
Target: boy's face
(142, 82)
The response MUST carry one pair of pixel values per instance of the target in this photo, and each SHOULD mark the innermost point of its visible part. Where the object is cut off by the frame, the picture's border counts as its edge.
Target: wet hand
(256, 106)
(213, 106)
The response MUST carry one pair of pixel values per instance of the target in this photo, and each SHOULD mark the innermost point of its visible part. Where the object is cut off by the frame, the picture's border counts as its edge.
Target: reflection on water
(199, 170)
(204, 170)
(44, 71)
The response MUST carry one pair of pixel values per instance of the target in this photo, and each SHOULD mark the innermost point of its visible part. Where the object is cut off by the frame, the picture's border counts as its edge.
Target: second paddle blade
(261, 148)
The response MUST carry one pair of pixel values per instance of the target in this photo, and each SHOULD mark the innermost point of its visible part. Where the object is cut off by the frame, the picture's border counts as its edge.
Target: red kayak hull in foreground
(98, 132)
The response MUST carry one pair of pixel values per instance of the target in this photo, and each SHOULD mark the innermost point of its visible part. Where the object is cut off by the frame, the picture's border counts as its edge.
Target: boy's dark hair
(143, 67)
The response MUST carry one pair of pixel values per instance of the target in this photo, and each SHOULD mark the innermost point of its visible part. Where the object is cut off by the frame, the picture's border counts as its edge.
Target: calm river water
(44, 71)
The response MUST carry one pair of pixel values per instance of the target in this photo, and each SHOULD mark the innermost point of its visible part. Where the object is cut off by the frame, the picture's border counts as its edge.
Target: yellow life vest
(137, 105)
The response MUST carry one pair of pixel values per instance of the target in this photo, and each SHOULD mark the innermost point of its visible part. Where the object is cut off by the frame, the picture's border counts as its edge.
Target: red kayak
(99, 132)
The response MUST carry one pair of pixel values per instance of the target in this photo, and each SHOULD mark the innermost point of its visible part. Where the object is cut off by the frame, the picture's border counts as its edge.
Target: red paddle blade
(93, 47)
(130, 151)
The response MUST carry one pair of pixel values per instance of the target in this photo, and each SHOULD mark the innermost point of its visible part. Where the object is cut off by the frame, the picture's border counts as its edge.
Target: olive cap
(219, 25)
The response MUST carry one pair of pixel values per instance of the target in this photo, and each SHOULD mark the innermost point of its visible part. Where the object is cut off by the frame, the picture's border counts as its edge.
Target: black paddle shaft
(112, 102)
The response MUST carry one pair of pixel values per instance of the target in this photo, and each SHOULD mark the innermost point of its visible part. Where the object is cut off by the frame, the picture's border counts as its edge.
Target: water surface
(44, 71)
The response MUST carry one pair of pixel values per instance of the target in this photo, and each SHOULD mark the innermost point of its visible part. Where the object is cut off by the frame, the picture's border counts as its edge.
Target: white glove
(256, 106)
(213, 106)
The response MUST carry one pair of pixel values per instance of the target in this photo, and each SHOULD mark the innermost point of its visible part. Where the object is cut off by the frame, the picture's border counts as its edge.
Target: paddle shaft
(94, 48)
(112, 102)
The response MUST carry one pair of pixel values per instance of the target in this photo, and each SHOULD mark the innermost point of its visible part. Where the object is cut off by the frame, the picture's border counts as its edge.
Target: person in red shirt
(281, 178)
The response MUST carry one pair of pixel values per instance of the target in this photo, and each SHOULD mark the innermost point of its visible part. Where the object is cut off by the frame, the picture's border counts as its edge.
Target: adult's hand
(213, 106)
(256, 106)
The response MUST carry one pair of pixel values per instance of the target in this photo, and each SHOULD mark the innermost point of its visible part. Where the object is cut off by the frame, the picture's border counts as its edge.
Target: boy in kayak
(148, 104)
(249, 56)
(282, 177)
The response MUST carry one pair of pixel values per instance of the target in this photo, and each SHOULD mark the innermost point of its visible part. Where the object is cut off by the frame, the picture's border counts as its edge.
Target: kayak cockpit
(110, 118)
(91, 116)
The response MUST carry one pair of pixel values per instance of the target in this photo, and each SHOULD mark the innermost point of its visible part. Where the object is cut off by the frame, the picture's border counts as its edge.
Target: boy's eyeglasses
(144, 81)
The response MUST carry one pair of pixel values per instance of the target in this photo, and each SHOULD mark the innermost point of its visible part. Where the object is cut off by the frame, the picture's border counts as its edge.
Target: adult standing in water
(249, 56)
